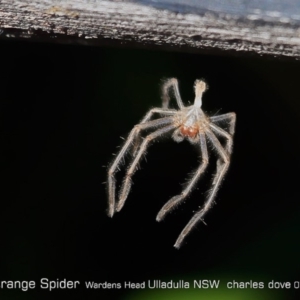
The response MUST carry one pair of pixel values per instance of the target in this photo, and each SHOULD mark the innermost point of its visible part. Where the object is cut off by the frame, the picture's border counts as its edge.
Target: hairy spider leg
(208, 203)
(229, 139)
(221, 132)
(125, 189)
(128, 144)
(229, 116)
(138, 139)
(176, 200)
(171, 83)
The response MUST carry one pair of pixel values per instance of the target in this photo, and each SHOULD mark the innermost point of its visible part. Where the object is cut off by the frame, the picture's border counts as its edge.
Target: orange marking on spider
(189, 131)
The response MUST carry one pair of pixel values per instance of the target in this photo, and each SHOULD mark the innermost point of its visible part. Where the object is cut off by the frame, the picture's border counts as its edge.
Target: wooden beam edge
(95, 22)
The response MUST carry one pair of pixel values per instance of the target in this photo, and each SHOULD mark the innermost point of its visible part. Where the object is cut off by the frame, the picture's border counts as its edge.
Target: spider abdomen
(189, 131)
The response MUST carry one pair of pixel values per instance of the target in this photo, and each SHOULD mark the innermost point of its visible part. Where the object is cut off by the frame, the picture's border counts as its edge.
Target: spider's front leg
(171, 83)
(111, 182)
(125, 189)
(221, 171)
(176, 200)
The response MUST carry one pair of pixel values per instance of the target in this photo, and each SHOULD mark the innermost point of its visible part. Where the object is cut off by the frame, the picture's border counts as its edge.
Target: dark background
(62, 112)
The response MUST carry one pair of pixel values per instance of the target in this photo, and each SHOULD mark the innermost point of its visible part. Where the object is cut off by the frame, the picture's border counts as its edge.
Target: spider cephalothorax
(187, 122)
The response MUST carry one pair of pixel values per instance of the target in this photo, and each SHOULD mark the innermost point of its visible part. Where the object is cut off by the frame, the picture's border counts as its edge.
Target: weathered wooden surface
(263, 27)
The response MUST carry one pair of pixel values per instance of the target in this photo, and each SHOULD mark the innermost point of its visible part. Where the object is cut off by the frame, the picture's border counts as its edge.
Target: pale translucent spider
(189, 123)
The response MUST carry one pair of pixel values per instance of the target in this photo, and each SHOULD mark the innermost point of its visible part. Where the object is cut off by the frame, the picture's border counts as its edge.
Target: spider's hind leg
(221, 171)
(231, 118)
(176, 200)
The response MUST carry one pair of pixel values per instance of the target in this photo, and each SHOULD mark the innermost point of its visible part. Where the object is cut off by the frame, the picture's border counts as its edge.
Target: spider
(189, 122)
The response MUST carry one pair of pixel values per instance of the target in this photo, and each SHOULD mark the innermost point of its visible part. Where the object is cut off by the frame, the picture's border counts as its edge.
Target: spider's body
(187, 122)
(190, 122)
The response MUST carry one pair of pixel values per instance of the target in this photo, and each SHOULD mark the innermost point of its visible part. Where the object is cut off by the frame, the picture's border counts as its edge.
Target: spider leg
(138, 139)
(161, 111)
(171, 83)
(225, 134)
(208, 203)
(125, 189)
(118, 160)
(231, 117)
(173, 202)
(229, 141)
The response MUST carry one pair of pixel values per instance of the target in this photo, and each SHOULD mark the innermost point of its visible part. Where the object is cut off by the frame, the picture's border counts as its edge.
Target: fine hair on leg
(118, 160)
(208, 203)
(126, 186)
(171, 83)
(138, 139)
(176, 200)
(231, 117)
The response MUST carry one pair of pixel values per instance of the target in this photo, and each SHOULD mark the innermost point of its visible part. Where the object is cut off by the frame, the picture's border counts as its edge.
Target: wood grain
(163, 24)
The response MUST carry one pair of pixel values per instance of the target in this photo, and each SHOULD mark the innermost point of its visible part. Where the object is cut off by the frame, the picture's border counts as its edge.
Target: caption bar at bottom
(65, 284)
